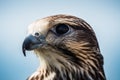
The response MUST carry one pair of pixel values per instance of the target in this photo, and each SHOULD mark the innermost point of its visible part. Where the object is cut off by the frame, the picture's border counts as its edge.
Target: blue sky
(16, 15)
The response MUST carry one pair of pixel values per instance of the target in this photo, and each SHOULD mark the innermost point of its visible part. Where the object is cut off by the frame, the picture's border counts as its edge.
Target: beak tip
(24, 53)
(23, 50)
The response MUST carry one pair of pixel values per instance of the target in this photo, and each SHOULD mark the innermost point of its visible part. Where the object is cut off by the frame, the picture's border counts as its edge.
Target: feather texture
(71, 56)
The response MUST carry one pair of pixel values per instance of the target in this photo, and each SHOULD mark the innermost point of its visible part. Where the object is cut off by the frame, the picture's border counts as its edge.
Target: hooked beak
(32, 42)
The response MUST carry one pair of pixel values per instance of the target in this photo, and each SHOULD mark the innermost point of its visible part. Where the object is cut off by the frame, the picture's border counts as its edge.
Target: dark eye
(62, 29)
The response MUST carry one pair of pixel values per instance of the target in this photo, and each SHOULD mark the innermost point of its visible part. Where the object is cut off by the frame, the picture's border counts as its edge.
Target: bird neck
(56, 67)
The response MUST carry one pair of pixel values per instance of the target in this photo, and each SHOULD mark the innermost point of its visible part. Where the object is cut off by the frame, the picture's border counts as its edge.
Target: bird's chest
(38, 75)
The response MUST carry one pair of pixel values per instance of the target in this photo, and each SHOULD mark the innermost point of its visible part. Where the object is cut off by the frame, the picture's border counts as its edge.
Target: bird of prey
(66, 47)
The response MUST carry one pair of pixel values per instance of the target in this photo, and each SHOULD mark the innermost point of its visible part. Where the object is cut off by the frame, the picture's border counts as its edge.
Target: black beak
(32, 42)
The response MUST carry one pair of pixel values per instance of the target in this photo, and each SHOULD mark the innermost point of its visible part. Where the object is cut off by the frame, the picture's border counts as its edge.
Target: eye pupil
(62, 29)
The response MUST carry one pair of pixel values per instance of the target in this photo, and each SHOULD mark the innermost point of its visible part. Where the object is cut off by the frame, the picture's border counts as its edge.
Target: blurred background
(16, 15)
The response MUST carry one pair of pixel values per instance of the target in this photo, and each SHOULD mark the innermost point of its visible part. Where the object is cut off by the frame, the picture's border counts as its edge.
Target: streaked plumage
(67, 49)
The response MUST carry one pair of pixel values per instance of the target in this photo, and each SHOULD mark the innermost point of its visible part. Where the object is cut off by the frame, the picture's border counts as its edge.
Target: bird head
(64, 42)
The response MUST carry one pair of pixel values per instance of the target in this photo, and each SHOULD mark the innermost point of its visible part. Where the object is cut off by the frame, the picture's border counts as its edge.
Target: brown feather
(74, 56)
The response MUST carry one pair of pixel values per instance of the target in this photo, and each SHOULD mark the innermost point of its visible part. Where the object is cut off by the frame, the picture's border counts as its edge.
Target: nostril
(37, 34)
